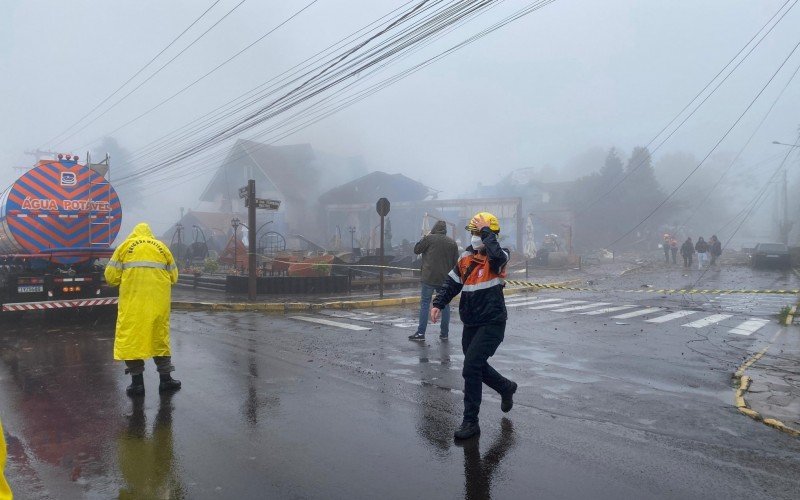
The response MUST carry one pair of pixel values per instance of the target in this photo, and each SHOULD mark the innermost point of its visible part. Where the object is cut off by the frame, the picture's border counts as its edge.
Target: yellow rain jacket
(5, 491)
(144, 270)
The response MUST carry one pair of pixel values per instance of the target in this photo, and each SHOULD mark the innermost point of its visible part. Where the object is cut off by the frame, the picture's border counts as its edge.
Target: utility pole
(251, 240)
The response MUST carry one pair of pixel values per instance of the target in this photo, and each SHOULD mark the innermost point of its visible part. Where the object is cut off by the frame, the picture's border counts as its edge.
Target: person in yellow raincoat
(145, 271)
(5, 491)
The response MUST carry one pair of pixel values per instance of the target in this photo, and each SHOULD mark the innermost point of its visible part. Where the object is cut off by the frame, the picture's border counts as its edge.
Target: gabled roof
(375, 185)
(289, 168)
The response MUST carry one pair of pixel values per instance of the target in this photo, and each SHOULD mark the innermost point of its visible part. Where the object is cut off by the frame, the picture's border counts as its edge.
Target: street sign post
(264, 203)
(382, 207)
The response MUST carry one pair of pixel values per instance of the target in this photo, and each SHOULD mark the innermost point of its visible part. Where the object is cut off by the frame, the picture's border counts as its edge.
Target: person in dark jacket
(687, 250)
(479, 276)
(673, 249)
(702, 252)
(439, 255)
(714, 249)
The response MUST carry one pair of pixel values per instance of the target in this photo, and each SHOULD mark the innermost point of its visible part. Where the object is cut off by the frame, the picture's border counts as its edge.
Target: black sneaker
(508, 398)
(467, 430)
(417, 336)
(444, 338)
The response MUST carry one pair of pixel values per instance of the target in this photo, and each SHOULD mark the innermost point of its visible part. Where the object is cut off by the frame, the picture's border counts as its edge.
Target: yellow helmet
(494, 224)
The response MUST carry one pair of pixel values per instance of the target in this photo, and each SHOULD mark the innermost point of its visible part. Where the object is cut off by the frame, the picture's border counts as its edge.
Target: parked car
(770, 255)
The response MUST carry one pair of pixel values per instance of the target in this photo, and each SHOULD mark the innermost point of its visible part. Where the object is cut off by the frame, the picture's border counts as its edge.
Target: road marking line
(522, 298)
(640, 312)
(581, 308)
(567, 303)
(609, 310)
(330, 323)
(671, 316)
(708, 320)
(529, 302)
(749, 327)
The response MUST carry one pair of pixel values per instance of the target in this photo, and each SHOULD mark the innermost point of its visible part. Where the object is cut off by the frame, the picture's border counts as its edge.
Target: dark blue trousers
(479, 343)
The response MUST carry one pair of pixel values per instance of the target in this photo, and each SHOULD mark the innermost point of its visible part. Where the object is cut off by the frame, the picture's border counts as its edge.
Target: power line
(697, 207)
(170, 44)
(393, 79)
(152, 75)
(641, 163)
(712, 149)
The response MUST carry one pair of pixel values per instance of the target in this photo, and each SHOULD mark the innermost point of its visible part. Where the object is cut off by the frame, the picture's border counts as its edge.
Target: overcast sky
(572, 76)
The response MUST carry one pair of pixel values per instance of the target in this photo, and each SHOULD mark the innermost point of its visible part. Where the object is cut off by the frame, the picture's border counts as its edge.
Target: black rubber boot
(137, 386)
(168, 383)
(508, 398)
(467, 430)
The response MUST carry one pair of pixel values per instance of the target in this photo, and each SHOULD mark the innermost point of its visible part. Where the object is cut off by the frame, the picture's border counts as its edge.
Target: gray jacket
(439, 254)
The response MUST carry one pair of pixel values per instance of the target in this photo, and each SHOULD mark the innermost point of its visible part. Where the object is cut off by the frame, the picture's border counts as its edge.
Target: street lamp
(235, 222)
(785, 144)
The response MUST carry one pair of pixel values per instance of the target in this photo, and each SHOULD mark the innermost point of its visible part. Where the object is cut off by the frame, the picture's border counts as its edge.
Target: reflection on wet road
(273, 407)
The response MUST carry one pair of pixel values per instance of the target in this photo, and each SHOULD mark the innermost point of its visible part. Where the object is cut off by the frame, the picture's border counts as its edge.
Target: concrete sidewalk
(775, 388)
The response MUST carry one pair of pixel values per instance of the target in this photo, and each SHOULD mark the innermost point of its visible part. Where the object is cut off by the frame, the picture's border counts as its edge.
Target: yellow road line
(743, 384)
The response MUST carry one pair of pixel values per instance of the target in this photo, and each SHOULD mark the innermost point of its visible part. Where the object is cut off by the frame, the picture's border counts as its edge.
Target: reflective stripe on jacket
(144, 270)
(480, 278)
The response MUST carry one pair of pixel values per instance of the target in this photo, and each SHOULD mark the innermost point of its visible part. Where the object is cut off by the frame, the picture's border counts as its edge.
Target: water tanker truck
(57, 221)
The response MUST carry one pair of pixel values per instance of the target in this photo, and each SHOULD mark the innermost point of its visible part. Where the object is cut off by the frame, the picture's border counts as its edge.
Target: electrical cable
(736, 122)
(517, 15)
(170, 44)
(152, 75)
(647, 146)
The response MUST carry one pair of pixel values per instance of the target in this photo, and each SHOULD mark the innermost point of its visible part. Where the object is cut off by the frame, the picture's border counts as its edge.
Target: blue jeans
(425, 309)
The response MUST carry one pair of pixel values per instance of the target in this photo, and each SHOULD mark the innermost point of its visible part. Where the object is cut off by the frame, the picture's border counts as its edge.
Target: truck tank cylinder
(56, 206)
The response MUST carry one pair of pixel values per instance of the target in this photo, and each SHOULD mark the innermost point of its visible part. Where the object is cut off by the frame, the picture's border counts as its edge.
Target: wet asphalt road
(285, 407)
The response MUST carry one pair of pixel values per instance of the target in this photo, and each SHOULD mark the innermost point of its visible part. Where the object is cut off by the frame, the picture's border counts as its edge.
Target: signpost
(382, 208)
(249, 193)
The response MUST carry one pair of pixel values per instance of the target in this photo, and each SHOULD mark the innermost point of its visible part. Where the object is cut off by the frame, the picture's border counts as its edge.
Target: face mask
(477, 242)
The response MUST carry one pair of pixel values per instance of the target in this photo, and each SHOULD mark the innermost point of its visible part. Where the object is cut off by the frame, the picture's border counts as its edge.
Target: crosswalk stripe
(670, 316)
(529, 302)
(567, 303)
(521, 298)
(640, 312)
(581, 308)
(330, 323)
(708, 320)
(609, 310)
(748, 327)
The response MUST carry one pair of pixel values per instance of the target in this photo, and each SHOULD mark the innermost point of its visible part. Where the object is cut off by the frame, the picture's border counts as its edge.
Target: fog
(552, 92)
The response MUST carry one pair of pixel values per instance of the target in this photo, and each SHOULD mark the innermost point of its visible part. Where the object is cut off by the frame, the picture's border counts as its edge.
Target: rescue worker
(145, 271)
(479, 277)
(665, 247)
(439, 255)
(673, 249)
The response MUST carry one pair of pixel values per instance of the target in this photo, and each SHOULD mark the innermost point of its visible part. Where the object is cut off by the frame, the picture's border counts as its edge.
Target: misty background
(573, 91)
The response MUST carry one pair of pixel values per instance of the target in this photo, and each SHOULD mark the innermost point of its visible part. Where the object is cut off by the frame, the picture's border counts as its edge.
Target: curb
(742, 384)
(283, 307)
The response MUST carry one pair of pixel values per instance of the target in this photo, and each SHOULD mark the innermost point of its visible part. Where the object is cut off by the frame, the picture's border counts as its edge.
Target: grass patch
(784, 312)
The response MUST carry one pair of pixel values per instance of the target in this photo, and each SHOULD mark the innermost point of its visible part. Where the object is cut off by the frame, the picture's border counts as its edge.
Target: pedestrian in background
(479, 276)
(714, 249)
(439, 256)
(673, 249)
(145, 271)
(687, 251)
(665, 246)
(702, 252)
